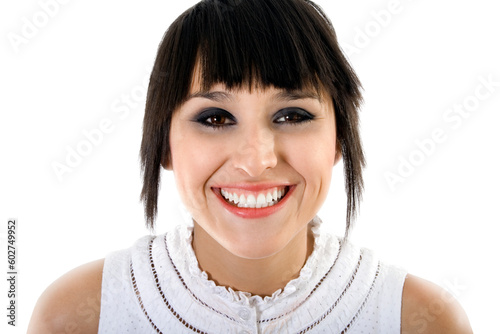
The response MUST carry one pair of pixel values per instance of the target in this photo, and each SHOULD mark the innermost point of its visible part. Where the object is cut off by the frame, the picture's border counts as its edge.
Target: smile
(254, 200)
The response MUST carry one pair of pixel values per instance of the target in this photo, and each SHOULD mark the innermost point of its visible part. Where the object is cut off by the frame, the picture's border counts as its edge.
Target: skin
(71, 304)
(428, 308)
(255, 255)
(257, 146)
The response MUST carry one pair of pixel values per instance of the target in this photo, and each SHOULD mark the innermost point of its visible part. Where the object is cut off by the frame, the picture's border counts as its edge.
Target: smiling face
(253, 167)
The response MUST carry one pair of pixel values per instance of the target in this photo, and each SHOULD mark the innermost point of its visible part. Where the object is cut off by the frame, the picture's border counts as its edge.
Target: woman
(251, 104)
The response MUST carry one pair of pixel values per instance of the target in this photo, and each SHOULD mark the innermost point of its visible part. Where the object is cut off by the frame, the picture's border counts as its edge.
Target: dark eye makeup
(215, 118)
(292, 116)
(219, 118)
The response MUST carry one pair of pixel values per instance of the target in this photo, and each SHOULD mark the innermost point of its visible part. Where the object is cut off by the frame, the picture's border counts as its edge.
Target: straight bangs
(252, 47)
(288, 44)
(260, 43)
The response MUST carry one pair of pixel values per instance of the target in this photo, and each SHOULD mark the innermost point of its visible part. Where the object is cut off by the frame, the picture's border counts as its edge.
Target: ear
(338, 153)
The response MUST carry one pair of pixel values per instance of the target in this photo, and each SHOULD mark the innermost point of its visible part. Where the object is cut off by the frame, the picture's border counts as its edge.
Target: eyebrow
(293, 95)
(285, 95)
(213, 96)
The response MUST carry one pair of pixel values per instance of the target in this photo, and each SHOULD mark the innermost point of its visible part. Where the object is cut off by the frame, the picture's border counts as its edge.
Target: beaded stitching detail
(194, 329)
(259, 321)
(139, 299)
(364, 302)
(312, 291)
(170, 308)
(323, 317)
(186, 287)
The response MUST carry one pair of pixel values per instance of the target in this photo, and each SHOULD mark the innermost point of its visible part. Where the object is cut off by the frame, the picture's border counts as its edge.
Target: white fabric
(157, 287)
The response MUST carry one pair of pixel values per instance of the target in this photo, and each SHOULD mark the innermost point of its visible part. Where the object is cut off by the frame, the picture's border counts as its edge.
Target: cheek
(314, 152)
(193, 163)
(313, 157)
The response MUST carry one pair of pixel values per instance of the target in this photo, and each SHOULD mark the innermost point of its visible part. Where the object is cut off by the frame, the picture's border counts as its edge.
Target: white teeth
(251, 201)
(261, 200)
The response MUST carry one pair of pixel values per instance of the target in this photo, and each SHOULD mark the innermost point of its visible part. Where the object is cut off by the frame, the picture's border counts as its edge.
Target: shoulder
(71, 302)
(428, 308)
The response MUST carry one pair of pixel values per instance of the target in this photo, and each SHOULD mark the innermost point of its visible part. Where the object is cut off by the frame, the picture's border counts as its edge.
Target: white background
(441, 223)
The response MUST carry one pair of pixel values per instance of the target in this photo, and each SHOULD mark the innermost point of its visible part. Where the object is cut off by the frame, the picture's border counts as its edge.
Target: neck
(257, 276)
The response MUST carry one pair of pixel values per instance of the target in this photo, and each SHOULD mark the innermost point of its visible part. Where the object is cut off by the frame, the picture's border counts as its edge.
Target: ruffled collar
(201, 279)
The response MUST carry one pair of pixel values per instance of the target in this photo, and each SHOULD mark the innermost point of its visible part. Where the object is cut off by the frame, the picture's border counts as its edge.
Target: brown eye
(217, 120)
(292, 116)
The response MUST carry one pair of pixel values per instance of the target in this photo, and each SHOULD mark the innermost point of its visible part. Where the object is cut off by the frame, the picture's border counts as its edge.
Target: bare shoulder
(428, 308)
(71, 304)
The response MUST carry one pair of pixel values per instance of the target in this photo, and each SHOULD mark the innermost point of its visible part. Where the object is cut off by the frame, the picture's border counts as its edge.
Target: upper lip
(254, 187)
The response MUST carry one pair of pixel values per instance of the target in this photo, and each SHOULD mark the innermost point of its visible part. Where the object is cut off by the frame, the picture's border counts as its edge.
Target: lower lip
(252, 213)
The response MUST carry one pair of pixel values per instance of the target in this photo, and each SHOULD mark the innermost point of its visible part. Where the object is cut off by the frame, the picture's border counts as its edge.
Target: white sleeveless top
(157, 287)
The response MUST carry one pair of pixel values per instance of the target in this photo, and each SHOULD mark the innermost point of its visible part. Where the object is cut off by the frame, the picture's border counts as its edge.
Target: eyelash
(302, 115)
(203, 117)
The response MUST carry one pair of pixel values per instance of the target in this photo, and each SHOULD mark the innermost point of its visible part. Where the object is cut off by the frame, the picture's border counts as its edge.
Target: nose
(255, 152)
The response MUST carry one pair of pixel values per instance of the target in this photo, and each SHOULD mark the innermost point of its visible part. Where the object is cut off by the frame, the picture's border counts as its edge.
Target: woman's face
(253, 167)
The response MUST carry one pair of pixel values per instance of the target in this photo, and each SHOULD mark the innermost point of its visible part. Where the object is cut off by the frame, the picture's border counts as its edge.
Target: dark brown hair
(288, 44)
